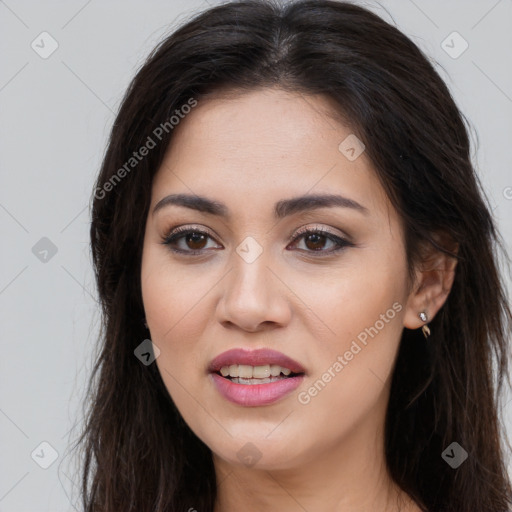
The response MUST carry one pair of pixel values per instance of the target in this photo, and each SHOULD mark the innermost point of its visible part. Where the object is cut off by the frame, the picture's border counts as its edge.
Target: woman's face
(251, 279)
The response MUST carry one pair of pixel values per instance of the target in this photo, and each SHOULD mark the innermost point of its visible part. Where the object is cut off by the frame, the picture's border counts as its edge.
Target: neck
(350, 476)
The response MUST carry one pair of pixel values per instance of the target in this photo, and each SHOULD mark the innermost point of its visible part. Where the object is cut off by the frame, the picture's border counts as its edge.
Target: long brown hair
(139, 455)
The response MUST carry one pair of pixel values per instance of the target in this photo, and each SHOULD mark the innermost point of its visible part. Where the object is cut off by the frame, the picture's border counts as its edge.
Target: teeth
(263, 373)
(244, 371)
(275, 370)
(240, 380)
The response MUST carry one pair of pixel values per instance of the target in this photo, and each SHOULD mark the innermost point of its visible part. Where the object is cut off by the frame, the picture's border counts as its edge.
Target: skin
(249, 151)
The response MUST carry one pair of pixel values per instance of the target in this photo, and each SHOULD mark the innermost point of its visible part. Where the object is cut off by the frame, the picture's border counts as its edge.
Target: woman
(287, 209)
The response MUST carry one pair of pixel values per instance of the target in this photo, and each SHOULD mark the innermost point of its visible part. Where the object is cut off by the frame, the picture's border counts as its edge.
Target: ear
(433, 281)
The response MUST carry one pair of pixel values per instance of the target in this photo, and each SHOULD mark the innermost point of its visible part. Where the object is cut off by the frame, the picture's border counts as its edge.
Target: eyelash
(176, 234)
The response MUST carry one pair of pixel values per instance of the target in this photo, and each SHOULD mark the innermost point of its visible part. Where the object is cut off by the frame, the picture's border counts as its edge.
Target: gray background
(56, 114)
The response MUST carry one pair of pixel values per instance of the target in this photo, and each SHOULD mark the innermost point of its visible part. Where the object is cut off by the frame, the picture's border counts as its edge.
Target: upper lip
(257, 357)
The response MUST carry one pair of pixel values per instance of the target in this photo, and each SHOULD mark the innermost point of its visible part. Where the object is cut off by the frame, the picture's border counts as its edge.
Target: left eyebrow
(288, 207)
(283, 208)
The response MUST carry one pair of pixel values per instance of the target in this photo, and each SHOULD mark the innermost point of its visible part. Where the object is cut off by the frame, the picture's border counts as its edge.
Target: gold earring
(425, 329)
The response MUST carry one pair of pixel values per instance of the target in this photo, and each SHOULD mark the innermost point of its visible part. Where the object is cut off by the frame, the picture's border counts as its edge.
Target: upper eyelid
(296, 233)
(307, 228)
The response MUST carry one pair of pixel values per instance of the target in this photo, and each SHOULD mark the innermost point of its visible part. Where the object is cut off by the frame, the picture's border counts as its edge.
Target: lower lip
(253, 395)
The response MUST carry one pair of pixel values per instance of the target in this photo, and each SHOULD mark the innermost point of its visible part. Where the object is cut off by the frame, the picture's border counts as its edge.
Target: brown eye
(192, 241)
(196, 241)
(315, 241)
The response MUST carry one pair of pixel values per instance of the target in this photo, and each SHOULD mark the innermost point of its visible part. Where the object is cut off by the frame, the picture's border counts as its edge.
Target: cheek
(172, 295)
(178, 302)
(361, 307)
(174, 306)
(344, 300)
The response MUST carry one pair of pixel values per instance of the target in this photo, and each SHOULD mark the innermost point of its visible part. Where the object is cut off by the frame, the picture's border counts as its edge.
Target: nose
(254, 298)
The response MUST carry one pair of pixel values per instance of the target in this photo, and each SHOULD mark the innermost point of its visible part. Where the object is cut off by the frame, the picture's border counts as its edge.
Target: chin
(259, 453)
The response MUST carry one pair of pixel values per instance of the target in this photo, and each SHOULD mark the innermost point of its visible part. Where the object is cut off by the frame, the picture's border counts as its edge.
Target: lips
(247, 392)
(255, 395)
(258, 357)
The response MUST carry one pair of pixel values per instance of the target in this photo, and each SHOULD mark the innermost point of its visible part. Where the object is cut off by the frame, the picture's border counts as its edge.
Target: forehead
(261, 146)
